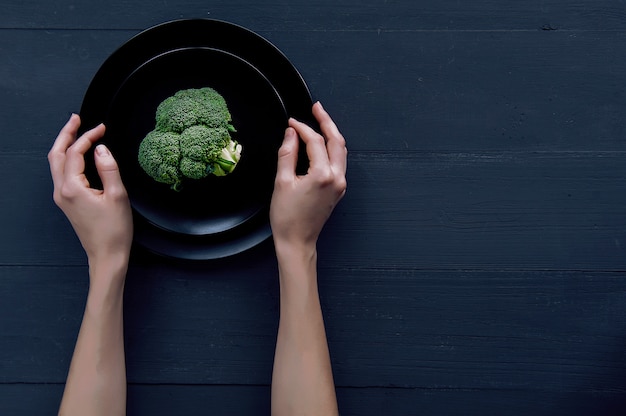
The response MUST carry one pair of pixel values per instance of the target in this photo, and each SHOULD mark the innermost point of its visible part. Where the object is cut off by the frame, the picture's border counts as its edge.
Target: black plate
(214, 204)
(208, 247)
(203, 33)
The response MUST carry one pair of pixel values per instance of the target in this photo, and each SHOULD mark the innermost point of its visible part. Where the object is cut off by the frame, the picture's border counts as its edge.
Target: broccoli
(159, 156)
(190, 107)
(207, 150)
(192, 138)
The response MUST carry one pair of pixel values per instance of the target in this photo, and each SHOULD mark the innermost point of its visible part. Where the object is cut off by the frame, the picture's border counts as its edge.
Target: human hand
(302, 204)
(102, 219)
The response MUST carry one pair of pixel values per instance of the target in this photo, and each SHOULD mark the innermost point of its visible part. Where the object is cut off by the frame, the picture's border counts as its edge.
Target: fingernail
(290, 132)
(320, 104)
(101, 150)
(71, 115)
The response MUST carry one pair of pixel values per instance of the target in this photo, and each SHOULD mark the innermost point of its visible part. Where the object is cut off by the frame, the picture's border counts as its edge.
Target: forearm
(96, 383)
(302, 380)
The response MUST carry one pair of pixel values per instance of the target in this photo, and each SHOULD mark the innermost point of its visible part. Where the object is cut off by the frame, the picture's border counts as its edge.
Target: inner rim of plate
(214, 204)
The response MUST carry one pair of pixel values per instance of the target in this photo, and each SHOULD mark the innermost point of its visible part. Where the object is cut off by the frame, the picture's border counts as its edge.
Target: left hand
(102, 219)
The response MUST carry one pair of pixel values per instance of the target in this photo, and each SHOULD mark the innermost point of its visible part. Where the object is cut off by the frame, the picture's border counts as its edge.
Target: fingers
(67, 135)
(56, 156)
(109, 172)
(327, 149)
(75, 155)
(336, 144)
(288, 156)
(315, 145)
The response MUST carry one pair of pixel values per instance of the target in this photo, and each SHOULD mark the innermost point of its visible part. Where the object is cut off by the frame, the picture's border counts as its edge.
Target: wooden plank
(418, 91)
(430, 211)
(324, 14)
(43, 77)
(500, 331)
(31, 399)
(475, 266)
(480, 211)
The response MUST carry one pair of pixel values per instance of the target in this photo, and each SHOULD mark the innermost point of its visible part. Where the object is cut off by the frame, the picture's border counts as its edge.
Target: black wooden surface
(475, 267)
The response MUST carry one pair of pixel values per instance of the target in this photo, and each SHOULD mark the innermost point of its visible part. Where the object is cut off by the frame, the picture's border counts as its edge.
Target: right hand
(302, 204)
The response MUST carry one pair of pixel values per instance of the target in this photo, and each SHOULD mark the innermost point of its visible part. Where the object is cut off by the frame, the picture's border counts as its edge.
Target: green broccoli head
(159, 157)
(201, 146)
(192, 138)
(191, 107)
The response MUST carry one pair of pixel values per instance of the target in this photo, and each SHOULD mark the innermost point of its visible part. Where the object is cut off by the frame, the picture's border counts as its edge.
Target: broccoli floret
(159, 156)
(211, 147)
(191, 138)
(190, 107)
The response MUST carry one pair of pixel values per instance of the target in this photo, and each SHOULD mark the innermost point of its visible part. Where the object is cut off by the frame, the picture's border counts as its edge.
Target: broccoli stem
(226, 165)
(177, 186)
(229, 157)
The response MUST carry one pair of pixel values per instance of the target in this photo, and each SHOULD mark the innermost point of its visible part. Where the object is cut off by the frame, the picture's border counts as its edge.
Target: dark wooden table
(475, 267)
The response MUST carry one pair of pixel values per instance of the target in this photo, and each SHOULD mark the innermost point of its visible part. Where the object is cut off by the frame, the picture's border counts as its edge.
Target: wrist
(294, 256)
(301, 251)
(107, 276)
(297, 265)
(114, 264)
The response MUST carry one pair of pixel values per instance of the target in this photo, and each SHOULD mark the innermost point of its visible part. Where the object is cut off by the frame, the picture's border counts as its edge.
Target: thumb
(108, 170)
(288, 155)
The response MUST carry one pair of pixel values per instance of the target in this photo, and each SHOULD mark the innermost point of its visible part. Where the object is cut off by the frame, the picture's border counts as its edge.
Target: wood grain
(476, 265)
(417, 91)
(347, 15)
(533, 331)
(531, 211)
(244, 400)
